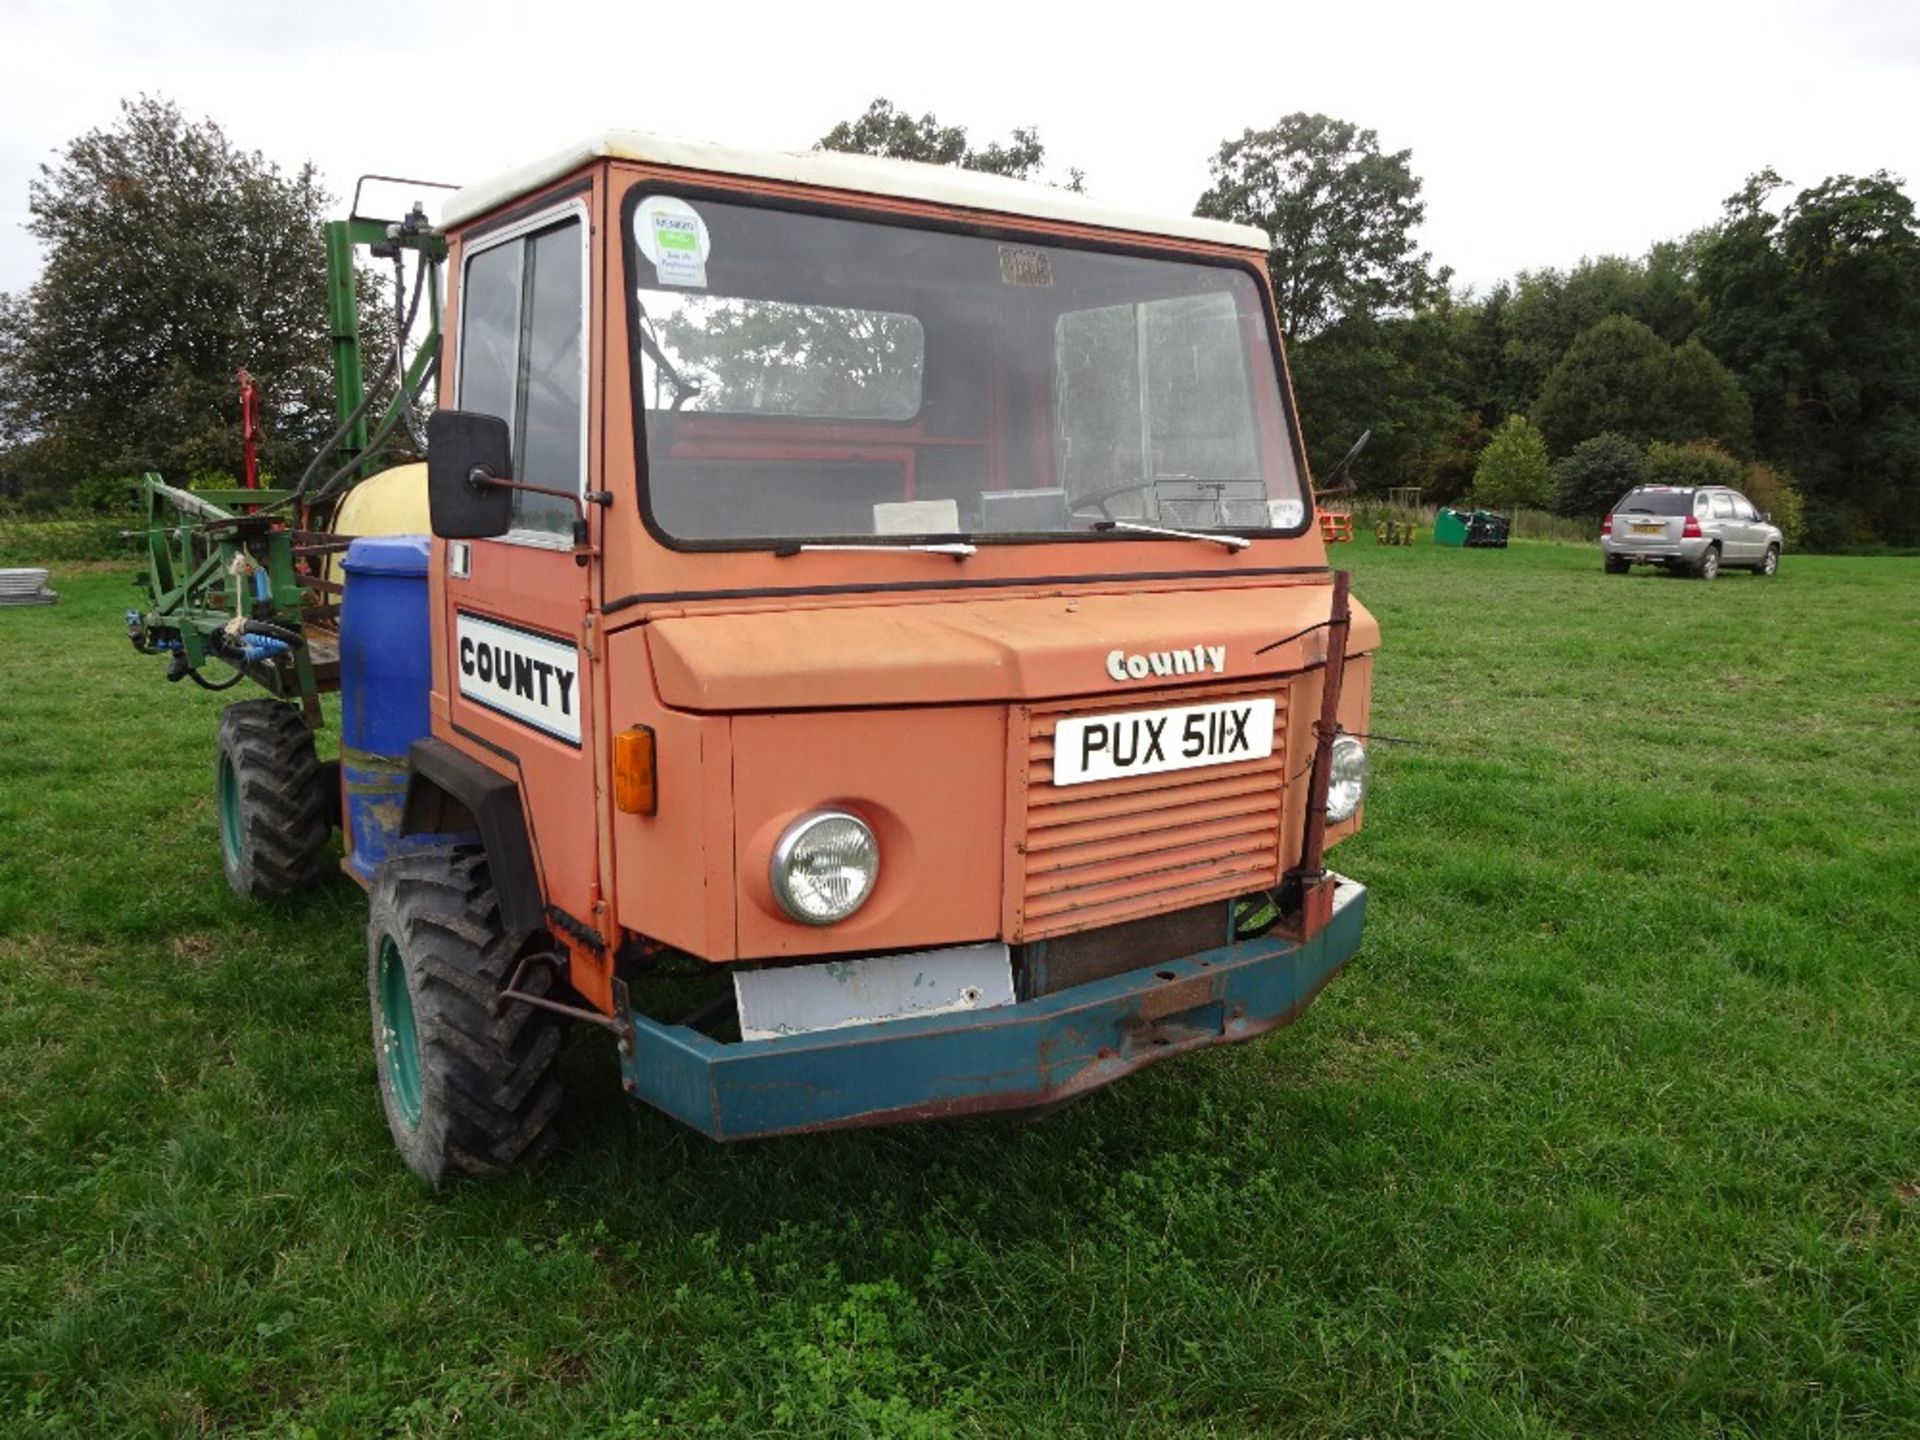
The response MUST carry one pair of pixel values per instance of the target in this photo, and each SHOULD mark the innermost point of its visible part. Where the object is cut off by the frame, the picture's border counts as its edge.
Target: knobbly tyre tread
(489, 1094)
(284, 828)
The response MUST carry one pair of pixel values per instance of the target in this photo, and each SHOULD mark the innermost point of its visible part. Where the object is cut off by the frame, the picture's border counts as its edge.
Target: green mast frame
(219, 558)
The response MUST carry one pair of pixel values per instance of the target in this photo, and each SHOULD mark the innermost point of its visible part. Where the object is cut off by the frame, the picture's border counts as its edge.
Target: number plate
(1649, 529)
(1147, 742)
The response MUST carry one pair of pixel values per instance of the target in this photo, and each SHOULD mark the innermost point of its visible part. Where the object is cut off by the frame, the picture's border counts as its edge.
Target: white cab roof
(865, 174)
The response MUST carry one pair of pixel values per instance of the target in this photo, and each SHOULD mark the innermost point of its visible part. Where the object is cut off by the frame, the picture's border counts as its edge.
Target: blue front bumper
(1013, 1057)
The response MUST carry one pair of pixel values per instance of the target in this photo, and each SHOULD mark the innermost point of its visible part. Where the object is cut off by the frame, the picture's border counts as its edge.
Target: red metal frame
(249, 429)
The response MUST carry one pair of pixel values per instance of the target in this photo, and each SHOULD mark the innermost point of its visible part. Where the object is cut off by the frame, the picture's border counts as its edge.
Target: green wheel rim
(398, 1036)
(228, 785)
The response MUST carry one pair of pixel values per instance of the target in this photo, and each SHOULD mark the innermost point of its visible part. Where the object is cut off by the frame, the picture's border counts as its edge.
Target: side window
(490, 331)
(522, 356)
(1743, 508)
(1722, 507)
(1702, 505)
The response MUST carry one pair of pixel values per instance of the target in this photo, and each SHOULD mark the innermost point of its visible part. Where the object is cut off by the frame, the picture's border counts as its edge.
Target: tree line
(173, 258)
(1776, 347)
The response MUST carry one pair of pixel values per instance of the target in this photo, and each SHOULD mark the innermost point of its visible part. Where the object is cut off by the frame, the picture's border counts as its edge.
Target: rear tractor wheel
(271, 797)
(467, 1083)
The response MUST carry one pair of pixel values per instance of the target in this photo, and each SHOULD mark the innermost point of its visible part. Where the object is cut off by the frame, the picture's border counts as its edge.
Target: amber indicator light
(634, 788)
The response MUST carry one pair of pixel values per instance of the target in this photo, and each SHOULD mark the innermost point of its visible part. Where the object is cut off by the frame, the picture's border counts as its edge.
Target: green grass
(1613, 1127)
(68, 538)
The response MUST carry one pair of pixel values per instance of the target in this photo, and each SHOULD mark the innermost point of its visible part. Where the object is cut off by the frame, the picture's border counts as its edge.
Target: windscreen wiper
(958, 549)
(1232, 542)
(684, 389)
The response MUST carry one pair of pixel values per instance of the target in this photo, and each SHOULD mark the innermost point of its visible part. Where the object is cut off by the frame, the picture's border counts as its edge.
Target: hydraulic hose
(273, 632)
(371, 393)
(206, 684)
(416, 432)
(328, 487)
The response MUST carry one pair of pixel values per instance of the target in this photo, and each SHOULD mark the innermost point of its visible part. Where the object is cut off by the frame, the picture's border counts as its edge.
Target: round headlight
(1347, 782)
(824, 867)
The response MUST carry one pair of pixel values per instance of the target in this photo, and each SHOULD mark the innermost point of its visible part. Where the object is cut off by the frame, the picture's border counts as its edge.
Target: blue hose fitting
(261, 647)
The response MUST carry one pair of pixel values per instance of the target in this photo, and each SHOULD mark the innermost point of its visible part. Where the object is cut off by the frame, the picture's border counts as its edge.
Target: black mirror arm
(480, 478)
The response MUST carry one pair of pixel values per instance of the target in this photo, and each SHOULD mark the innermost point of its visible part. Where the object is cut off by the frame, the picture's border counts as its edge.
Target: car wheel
(1618, 567)
(1770, 566)
(1709, 566)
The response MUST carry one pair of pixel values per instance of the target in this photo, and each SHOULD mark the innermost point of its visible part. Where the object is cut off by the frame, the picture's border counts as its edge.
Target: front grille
(1087, 955)
(1114, 850)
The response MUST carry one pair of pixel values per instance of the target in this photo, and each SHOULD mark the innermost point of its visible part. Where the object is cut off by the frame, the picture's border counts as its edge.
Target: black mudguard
(449, 792)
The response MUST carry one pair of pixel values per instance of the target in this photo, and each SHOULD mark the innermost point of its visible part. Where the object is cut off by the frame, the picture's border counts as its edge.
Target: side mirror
(1766, 517)
(1338, 481)
(465, 453)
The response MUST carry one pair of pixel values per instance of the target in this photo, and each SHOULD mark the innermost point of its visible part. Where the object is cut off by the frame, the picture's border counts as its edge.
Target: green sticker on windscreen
(672, 235)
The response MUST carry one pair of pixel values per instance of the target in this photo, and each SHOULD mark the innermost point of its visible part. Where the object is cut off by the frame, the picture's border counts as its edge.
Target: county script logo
(1195, 660)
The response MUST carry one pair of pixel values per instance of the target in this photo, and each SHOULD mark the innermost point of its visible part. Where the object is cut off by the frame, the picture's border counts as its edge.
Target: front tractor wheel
(270, 795)
(466, 1083)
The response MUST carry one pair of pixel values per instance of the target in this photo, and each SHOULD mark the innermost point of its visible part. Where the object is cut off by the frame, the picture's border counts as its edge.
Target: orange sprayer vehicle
(891, 592)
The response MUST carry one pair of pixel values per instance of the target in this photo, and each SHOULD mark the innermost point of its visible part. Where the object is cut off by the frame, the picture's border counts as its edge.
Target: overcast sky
(1543, 132)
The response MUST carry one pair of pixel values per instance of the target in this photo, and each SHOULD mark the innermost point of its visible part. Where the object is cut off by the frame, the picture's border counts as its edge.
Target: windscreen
(1657, 502)
(805, 376)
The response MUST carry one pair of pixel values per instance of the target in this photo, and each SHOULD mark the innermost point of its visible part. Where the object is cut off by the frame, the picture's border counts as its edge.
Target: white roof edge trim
(860, 174)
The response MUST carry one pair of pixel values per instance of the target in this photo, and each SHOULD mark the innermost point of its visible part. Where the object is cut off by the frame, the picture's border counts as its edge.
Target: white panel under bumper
(833, 994)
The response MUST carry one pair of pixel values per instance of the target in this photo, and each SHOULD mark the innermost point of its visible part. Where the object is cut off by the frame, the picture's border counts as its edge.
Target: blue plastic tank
(386, 677)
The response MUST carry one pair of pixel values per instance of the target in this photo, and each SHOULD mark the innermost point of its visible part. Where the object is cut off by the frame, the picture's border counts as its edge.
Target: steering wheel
(1099, 498)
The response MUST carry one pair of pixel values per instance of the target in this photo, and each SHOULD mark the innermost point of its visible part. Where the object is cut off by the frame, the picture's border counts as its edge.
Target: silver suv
(1690, 530)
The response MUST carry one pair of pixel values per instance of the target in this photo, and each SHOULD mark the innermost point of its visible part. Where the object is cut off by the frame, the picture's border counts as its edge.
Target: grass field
(1613, 1127)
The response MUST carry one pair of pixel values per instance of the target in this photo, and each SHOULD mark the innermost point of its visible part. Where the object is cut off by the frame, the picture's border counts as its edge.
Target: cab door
(516, 607)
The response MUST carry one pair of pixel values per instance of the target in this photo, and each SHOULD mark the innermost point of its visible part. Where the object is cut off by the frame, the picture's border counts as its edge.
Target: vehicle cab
(900, 587)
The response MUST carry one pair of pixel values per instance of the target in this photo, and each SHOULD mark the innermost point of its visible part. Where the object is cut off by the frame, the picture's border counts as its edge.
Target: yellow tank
(393, 502)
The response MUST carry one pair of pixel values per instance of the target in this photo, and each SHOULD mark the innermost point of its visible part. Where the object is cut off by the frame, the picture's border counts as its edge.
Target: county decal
(530, 677)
